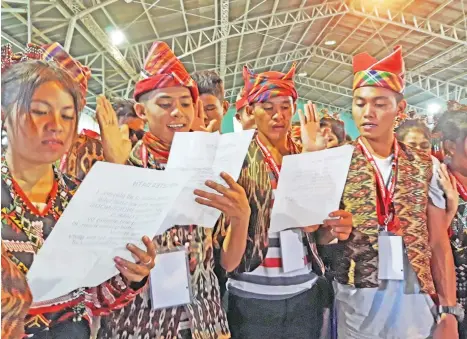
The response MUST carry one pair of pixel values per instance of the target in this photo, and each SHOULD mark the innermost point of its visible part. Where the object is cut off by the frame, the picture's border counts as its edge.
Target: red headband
(163, 69)
(261, 87)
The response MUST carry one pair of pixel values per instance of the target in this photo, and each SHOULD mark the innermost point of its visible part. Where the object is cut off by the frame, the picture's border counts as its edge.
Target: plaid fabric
(375, 78)
(163, 69)
(261, 87)
(386, 73)
(80, 73)
(53, 53)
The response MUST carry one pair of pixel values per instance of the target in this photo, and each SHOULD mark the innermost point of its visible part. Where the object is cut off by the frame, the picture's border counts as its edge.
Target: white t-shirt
(397, 310)
(435, 193)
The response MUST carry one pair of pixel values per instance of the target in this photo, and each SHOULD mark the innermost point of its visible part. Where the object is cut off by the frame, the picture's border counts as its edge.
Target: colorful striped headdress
(52, 53)
(261, 87)
(386, 73)
(242, 100)
(163, 69)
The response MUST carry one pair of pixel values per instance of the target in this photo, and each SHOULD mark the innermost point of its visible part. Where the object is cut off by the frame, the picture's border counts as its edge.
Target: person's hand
(311, 229)
(115, 141)
(135, 272)
(341, 225)
(313, 139)
(199, 120)
(449, 185)
(447, 328)
(231, 200)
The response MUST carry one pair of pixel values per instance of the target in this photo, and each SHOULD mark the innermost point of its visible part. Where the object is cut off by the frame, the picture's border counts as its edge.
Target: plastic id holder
(390, 257)
(292, 251)
(170, 279)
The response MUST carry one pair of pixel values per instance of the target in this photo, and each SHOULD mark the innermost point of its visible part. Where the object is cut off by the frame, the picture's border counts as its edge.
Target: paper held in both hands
(204, 156)
(310, 187)
(116, 205)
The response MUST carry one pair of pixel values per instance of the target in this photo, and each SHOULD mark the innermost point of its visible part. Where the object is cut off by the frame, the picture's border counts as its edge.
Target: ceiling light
(117, 37)
(330, 42)
(302, 74)
(433, 108)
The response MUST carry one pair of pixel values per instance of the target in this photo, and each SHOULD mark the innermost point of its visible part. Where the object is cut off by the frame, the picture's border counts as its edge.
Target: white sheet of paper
(390, 258)
(170, 280)
(292, 250)
(204, 156)
(310, 187)
(114, 205)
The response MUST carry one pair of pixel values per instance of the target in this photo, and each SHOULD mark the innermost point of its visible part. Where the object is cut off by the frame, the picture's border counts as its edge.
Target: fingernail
(331, 214)
(118, 260)
(130, 246)
(145, 238)
(209, 182)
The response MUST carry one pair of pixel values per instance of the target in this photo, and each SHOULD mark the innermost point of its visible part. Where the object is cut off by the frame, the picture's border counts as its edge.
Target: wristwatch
(457, 311)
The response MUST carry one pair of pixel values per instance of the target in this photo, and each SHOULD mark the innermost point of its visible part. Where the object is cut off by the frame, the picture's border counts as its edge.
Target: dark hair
(209, 82)
(399, 97)
(453, 126)
(412, 124)
(337, 127)
(125, 108)
(21, 80)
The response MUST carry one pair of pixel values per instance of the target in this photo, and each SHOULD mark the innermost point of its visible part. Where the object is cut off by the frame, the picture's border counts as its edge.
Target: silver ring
(148, 263)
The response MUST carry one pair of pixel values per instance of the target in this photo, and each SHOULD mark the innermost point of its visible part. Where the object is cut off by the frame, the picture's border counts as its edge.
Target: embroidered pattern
(359, 265)
(16, 299)
(206, 315)
(257, 179)
(83, 154)
(24, 230)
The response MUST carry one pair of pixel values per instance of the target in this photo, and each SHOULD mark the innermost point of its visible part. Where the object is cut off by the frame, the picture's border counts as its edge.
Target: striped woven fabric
(261, 87)
(386, 73)
(80, 73)
(163, 69)
(53, 53)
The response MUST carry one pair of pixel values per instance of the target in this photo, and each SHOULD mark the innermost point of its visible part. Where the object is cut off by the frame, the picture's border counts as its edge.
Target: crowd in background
(395, 187)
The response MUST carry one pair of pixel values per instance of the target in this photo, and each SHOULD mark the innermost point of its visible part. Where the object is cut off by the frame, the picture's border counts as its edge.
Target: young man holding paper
(397, 260)
(168, 100)
(266, 299)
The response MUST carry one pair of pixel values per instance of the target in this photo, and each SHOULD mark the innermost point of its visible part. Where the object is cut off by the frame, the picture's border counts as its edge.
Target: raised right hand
(115, 141)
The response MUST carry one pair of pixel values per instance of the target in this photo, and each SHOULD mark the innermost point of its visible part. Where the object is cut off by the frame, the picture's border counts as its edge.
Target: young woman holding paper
(40, 105)
(168, 100)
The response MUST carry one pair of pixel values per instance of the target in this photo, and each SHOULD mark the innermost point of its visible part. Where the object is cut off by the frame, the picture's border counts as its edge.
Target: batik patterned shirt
(25, 228)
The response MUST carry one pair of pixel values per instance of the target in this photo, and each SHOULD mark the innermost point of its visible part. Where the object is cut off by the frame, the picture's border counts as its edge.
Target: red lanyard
(385, 194)
(269, 159)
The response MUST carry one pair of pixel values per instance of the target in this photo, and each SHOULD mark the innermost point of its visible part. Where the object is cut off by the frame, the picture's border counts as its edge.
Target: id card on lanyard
(390, 246)
(170, 279)
(292, 251)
